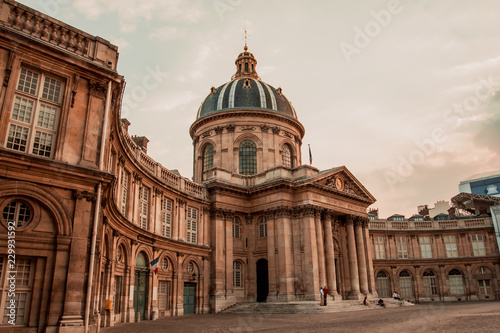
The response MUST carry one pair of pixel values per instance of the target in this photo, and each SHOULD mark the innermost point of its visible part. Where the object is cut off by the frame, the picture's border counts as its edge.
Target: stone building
(444, 259)
(104, 234)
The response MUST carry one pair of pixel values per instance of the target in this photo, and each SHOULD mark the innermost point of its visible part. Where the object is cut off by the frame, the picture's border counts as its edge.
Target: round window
(164, 264)
(18, 212)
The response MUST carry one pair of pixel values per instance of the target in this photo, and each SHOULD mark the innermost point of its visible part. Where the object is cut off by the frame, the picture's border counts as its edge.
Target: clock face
(339, 184)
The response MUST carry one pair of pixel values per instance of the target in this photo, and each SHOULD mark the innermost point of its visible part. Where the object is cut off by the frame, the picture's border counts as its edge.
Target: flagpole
(310, 155)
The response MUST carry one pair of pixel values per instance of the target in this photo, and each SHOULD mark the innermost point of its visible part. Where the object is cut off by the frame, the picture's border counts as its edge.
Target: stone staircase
(311, 306)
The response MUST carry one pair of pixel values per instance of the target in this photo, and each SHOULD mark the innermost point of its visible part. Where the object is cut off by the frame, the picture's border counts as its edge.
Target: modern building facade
(104, 234)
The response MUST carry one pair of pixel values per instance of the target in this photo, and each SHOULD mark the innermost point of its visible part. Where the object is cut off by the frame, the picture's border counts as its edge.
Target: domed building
(280, 230)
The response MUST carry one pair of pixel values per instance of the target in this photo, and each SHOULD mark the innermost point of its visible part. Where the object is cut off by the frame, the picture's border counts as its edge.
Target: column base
(334, 296)
(70, 324)
(356, 296)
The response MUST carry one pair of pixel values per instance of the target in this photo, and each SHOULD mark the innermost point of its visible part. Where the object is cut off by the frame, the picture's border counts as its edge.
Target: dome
(246, 91)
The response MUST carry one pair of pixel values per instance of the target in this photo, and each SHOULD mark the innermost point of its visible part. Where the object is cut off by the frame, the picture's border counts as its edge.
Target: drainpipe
(97, 209)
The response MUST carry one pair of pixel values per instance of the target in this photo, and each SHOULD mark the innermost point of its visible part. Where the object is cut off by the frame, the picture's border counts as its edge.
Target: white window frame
(192, 225)
(402, 247)
(262, 226)
(237, 274)
(450, 242)
(36, 125)
(478, 245)
(379, 244)
(124, 183)
(166, 217)
(144, 207)
(24, 289)
(425, 246)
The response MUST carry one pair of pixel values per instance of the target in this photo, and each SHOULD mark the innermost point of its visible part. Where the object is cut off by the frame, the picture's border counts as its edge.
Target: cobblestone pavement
(438, 317)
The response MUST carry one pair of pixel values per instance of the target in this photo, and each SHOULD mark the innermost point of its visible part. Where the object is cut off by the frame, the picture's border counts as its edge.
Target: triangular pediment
(342, 181)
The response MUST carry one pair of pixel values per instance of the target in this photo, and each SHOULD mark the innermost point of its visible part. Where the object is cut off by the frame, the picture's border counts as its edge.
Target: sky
(403, 93)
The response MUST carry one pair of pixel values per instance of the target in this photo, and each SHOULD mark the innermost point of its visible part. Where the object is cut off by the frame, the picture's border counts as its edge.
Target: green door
(140, 292)
(189, 297)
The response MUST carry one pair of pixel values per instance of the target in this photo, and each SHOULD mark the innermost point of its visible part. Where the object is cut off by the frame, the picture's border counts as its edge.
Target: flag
(310, 155)
(154, 264)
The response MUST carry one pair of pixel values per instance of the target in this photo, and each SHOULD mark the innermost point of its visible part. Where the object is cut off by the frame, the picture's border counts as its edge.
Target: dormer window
(246, 66)
(247, 84)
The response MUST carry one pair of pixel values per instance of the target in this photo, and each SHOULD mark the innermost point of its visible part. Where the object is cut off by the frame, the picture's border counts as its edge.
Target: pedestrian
(366, 301)
(325, 293)
(322, 295)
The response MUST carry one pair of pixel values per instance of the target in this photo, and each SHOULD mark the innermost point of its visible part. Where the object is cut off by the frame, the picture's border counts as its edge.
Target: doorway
(140, 285)
(189, 297)
(262, 280)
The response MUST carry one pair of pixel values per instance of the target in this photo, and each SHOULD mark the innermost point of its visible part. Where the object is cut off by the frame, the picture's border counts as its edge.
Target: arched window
(248, 158)
(430, 283)
(262, 227)
(383, 284)
(456, 282)
(286, 156)
(208, 158)
(236, 227)
(140, 262)
(237, 280)
(405, 284)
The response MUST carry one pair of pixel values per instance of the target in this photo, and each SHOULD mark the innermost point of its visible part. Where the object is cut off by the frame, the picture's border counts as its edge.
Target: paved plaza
(438, 317)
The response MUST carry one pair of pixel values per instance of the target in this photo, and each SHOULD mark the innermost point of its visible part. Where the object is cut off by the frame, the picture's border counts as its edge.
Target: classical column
(206, 285)
(353, 260)
(179, 305)
(228, 233)
(218, 265)
(310, 255)
(321, 249)
(271, 255)
(369, 260)
(330, 257)
(285, 258)
(360, 250)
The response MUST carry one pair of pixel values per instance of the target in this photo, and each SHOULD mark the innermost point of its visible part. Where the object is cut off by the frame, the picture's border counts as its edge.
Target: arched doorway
(141, 284)
(262, 280)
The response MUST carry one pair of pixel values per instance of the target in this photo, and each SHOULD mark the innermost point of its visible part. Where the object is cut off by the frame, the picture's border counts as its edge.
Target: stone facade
(92, 214)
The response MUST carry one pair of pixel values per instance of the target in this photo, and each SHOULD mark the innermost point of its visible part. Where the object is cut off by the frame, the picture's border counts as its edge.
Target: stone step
(310, 306)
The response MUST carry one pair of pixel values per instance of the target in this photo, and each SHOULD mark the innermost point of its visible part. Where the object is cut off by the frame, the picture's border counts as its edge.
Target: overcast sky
(403, 93)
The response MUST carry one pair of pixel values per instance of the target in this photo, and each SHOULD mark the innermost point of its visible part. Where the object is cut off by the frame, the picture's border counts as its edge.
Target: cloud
(166, 33)
(132, 12)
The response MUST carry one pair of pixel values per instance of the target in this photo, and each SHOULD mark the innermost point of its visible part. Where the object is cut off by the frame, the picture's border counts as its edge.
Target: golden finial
(246, 35)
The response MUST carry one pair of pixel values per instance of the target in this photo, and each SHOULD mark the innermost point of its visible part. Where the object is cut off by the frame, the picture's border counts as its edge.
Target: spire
(246, 62)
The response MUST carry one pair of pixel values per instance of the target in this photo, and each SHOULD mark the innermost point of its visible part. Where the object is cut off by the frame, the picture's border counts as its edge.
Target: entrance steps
(310, 306)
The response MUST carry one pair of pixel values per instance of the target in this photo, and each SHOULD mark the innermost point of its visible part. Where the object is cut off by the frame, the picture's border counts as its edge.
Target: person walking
(322, 296)
(325, 294)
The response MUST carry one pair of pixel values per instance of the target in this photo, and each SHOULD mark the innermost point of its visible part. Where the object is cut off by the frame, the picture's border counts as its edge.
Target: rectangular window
(24, 286)
(117, 294)
(144, 212)
(237, 275)
(425, 246)
(124, 195)
(451, 246)
(35, 112)
(402, 248)
(478, 245)
(166, 208)
(379, 242)
(192, 225)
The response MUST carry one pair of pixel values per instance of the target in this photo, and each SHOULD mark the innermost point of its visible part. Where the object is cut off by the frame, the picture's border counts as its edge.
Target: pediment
(342, 181)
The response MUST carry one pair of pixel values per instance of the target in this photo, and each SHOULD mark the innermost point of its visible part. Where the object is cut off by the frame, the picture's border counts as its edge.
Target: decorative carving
(158, 192)
(249, 219)
(206, 134)
(181, 202)
(137, 177)
(89, 196)
(76, 80)
(248, 128)
(230, 128)
(276, 130)
(270, 214)
(218, 129)
(64, 37)
(307, 211)
(283, 211)
(72, 41)
(264, 128)
(27, 22)
(180, 254)
(97, 89)
(45, 31)
(17, 21)
(53, 36)
(288, 134)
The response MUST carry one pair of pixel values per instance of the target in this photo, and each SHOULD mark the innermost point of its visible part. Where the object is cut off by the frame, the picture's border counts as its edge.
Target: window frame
(450, 242)
(236, 227)
(286, 156)
(425, 247)
(144, 193)
(192, 225)
(379, 245)
(247, 152)
(262, 227)
(402, 247)
(237, 274)
(208, 161)
(166, 217)
(478, 247)
(42, 122)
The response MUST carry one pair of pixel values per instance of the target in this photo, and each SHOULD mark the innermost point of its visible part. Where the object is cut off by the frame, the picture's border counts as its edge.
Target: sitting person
(365, 301)
(396, 296)
(381, 303)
